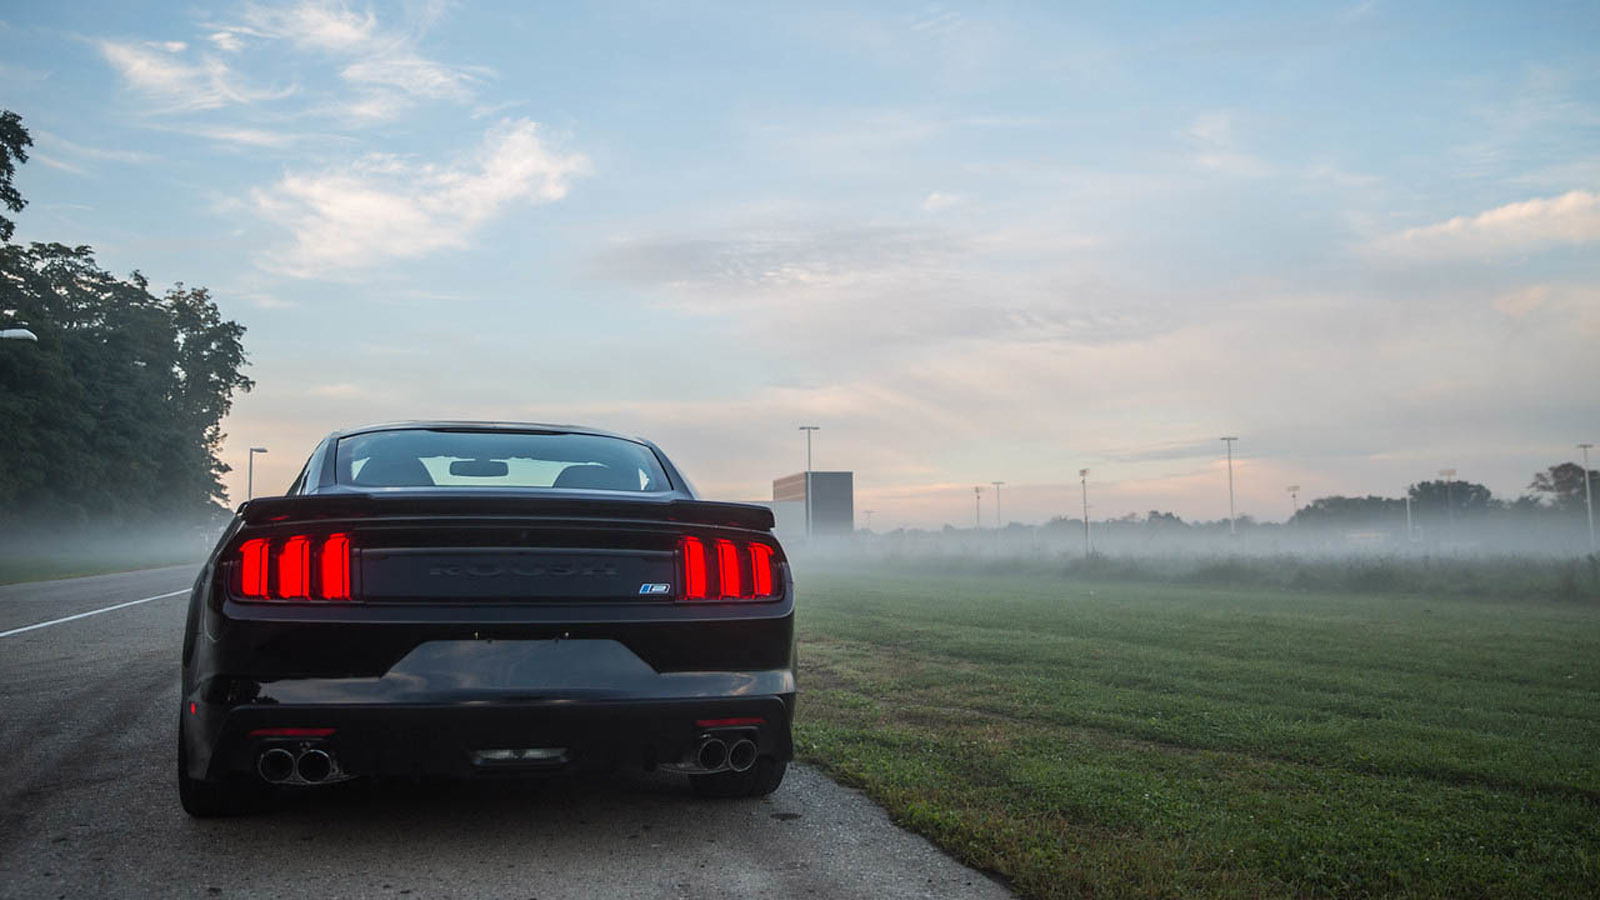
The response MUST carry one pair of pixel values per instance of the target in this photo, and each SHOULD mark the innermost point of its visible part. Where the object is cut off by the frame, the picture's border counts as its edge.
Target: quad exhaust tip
(276, 765)
(712, 755)
(742, 755)
(313, 766)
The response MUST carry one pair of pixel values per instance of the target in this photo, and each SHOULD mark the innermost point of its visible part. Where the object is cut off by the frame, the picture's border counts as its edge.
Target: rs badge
(655, 588)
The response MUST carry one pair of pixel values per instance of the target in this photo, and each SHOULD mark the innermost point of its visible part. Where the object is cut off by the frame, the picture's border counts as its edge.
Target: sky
(972, 243)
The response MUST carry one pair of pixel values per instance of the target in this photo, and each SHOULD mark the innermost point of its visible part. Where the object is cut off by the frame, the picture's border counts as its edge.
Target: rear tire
(234, 796)
(759, 780)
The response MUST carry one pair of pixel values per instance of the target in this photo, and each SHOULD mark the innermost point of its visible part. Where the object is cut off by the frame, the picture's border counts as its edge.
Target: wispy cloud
(164, 74)
(383, 65)
(1540, 223)
(381, 207)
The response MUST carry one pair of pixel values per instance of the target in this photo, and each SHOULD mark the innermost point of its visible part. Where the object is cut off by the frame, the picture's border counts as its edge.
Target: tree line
(113, 415)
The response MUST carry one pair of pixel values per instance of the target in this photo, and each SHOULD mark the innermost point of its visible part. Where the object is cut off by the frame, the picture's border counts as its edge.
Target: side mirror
(479, 468)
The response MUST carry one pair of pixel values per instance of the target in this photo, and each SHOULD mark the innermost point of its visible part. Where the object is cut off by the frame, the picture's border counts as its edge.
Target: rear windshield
(497, 459)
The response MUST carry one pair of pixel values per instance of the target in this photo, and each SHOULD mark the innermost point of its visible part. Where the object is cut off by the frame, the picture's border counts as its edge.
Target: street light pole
(868, 513)
(1588, 497)
(999, 523)
(977, 508)
(1294, 499)
(808, 429)
(1449, 476)
(1229, 441)
(1088, 545)
(250, 478)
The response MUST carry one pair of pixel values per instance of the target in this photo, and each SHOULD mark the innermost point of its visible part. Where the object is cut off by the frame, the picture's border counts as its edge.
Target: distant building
(833, 504)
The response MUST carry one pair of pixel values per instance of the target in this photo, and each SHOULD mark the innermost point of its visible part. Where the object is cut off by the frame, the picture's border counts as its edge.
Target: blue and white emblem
(655, 588)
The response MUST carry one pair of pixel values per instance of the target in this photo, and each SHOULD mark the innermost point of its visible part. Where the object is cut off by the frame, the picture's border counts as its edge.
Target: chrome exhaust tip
(275, 766)
(742, 755)
(314, 766)
(712, 755)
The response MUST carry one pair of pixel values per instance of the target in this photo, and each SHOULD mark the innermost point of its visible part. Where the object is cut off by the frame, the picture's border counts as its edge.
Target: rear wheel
(759, 780)
(233, 796)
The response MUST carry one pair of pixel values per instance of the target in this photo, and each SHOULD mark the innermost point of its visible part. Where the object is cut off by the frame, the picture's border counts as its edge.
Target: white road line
(96, 612)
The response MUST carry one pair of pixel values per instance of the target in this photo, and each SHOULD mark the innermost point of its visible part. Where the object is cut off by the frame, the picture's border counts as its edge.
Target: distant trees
(14, 144)
(1561, 486)
(1349, 512)
(115, 412)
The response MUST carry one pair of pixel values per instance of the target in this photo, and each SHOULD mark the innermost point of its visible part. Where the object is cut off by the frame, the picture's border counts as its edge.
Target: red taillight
(291, 732)
(761, 569)
(336, 567)
(294, 568)
(694, 568)
(721, 574)
(253, 568)
(728, 570)
(297, 567)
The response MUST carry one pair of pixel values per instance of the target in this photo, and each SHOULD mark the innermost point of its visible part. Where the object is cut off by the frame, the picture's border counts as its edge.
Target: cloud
(885, 290)
(1213, 148)
(162, 74)
(385, 68)
(414, 75)
(937, 201)
(1531, 225)
(383, 207)
(330, 26)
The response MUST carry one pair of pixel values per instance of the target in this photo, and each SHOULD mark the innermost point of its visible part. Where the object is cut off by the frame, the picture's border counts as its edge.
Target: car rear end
(481, 634)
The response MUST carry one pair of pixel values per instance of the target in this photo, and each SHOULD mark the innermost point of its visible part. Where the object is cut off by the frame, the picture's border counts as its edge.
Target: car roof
(470, 425)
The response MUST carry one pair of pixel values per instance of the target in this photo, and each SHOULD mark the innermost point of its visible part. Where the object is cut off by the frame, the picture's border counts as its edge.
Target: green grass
(1115, 739)
(46, 567)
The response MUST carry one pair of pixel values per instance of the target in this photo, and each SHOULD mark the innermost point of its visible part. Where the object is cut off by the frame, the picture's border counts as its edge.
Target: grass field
(46, 567)
(1117, 739)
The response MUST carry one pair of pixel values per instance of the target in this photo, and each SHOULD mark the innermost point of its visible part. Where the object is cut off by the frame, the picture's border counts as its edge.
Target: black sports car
(482, 600)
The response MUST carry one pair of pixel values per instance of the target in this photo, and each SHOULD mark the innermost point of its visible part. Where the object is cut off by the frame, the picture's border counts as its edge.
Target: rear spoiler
(272, 510)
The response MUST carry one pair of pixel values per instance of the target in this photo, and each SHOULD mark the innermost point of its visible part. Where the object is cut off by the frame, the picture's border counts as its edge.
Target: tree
(115, 413)
(1563, 486)
(1350, 512)
(1452, 497)
(14, 144)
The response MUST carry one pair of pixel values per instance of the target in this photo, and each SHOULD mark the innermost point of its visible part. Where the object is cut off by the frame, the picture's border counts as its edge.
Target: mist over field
(1214, 386)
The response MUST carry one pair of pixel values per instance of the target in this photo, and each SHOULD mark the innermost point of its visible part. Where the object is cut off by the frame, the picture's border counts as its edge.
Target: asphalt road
(89, 808)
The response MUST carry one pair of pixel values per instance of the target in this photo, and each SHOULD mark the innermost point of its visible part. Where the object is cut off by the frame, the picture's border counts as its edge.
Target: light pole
(250, 479)
(1294, 498)
(1088, 545)
(1588, 497)
(808, 429)
(977, 508)
(868, 513)
(1449, 476)
(1229, 441)
(999, 523)
(1411, 533)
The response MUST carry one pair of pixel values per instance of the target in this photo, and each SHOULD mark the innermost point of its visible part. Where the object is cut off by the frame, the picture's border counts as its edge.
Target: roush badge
(655, 588)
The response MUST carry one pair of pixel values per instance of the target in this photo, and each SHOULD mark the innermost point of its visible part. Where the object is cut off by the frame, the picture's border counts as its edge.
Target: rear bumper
(448, 740)
(447, 701)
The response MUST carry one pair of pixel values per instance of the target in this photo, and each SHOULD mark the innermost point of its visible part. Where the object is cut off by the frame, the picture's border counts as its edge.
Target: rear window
(497, 459)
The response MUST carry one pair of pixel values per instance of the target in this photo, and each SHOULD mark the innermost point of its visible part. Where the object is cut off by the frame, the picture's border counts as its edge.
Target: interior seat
(393, 471)
(596, 477)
